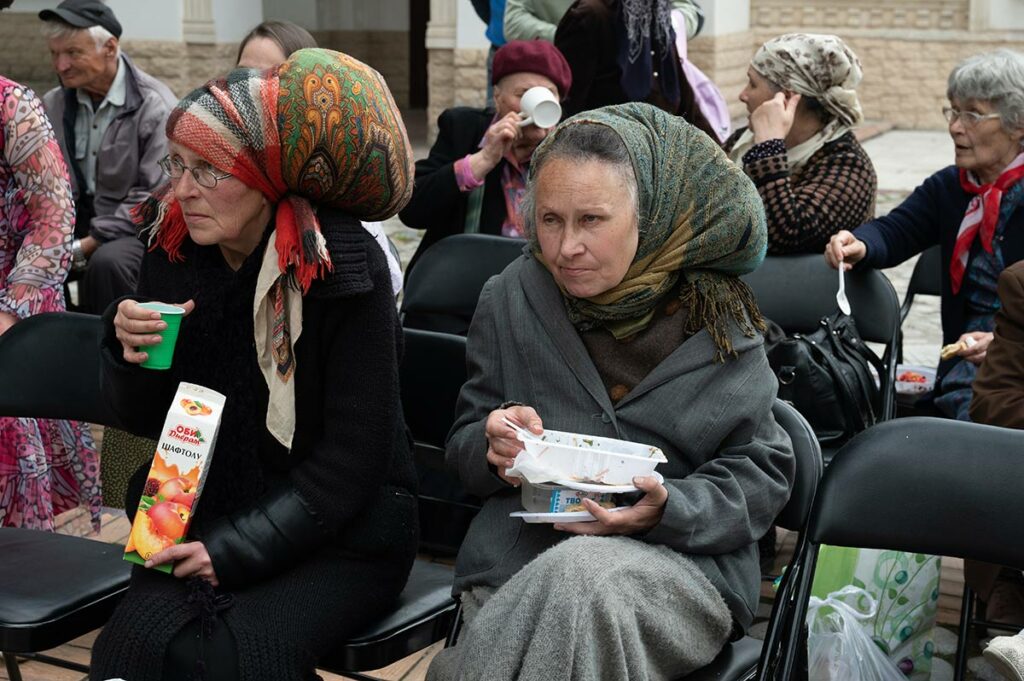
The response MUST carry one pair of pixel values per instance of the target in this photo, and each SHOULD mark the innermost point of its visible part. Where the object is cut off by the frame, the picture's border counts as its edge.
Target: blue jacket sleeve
(912, 226)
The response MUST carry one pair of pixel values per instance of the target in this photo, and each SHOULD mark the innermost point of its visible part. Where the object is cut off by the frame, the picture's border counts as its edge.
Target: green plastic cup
(161, 354)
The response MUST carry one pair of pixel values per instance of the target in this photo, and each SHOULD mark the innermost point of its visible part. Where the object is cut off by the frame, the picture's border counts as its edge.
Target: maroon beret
(532, 56)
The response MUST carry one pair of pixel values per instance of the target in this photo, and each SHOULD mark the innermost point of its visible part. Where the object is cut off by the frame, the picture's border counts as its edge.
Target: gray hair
(60, 30)
(995, 77)
(580, 143)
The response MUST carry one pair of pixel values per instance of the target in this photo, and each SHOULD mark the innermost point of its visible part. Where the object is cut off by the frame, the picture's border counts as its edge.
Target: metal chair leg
(11, 662)
(966, 615)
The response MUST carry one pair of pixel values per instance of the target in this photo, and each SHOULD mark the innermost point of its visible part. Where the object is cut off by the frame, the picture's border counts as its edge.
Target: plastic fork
(523, 433)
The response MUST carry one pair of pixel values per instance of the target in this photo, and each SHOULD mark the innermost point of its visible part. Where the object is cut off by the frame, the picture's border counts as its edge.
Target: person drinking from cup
(308, 510)
(625, 318)
(474, 178)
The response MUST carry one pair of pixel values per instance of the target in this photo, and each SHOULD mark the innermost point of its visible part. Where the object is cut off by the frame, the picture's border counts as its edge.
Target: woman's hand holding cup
(502, 444)
(138, 328)
(498, 139)
(846, 249)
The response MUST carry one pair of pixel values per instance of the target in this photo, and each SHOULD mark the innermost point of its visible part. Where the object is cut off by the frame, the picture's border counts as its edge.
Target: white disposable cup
(539, 106)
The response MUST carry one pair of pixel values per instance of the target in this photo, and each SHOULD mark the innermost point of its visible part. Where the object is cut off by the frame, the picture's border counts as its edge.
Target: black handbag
(826, 375)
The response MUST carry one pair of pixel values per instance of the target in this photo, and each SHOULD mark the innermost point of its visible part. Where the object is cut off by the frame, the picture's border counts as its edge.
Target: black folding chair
(54, 588)
(442, 290)
(926, 279)
(923, 485)
(746, 658)
(796, 291)
(432, 373)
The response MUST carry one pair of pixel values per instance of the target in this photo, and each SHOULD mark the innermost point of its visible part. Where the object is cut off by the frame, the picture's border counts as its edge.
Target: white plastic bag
(837, 647)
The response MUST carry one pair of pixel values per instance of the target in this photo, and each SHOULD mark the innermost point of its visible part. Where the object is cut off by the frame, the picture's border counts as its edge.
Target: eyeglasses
(204, 177)
(968, 118)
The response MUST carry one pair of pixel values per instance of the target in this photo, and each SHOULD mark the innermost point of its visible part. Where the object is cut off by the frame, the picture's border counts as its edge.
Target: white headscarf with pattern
(813, 65)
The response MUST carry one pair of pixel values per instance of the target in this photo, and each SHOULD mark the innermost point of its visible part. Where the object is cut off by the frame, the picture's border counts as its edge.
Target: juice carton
(175, 481)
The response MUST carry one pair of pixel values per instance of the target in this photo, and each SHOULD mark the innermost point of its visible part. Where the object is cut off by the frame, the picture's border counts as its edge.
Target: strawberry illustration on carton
(175, 481)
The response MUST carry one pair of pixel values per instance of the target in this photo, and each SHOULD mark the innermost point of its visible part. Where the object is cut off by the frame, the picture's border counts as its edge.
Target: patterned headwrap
(320, 129)
(812, 65)
(700, 217)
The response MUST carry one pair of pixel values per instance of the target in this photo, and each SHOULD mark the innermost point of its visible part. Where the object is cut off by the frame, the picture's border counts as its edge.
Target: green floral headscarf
(700, 217)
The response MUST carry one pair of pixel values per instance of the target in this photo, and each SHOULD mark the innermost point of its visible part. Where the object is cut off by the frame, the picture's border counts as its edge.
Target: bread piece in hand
(952, 350)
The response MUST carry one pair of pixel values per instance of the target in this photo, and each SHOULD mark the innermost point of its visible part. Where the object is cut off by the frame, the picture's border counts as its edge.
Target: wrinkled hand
(192, 560)
(641, 517)
(844, 248)
(975, 354)
(7, 320)
(774, 118)
(502, 445)
(498, 139)
(135, 327)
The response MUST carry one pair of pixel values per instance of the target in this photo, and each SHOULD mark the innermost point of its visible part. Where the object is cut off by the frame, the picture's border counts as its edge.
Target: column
(724, 47)
(440, 60)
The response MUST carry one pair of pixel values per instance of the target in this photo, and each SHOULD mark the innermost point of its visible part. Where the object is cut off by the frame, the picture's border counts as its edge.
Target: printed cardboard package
(175, 480)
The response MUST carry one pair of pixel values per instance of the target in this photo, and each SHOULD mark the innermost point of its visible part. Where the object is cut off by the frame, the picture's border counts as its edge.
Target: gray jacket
(126, 165)
(730, 465)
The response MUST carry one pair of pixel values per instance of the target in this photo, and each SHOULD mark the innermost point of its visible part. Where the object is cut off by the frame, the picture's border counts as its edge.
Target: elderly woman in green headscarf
(625, 317)
(306, 527)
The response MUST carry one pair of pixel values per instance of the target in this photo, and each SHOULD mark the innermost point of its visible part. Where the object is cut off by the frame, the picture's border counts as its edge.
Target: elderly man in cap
(475, 176)
(109, 118)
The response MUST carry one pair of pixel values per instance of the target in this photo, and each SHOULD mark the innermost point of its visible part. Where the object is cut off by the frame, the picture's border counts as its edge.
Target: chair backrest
(796, 291)
(442, 290)
(926, 279)
(432, 373)
(795, 514)
(926, 485)
(50, 368)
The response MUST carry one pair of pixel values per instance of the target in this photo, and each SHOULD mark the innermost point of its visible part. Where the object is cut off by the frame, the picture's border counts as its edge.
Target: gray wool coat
(730, 465)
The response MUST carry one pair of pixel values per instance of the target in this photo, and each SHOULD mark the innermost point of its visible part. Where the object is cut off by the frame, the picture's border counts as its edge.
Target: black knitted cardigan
(350, 464)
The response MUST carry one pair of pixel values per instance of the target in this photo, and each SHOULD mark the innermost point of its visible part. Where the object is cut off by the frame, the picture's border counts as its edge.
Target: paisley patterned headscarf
(700, 218)
(813, 65)
(320, 129)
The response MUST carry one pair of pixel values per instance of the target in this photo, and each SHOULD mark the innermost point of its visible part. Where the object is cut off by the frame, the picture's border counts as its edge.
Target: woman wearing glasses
(972, 209)
(306, 529)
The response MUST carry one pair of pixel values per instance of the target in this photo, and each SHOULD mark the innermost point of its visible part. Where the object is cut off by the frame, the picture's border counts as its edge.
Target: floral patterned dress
(46, 466)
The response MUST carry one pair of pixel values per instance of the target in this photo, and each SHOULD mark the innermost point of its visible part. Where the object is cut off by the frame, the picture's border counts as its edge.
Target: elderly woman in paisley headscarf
(625, 317)
(306, 529)
(799, 148)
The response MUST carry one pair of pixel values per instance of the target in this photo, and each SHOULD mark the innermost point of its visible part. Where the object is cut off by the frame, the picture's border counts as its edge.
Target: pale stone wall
(182, 66)
(724, 59)
(386, 51)
(24, 57)
(907, 47)
(470, 77)
(441, 86)
(876, 14)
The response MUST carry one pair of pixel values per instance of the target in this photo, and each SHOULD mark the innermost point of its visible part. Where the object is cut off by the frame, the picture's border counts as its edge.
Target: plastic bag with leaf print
(906, 588)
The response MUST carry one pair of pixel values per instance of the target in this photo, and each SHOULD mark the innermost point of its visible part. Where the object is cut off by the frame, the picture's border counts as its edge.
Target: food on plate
(572, 508)
(912, 377)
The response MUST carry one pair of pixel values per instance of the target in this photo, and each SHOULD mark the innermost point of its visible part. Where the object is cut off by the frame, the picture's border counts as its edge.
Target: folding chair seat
(54, 588)
(796, 291)
(748, 657)
(922, 485)
(432, 373)
(442, 290)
